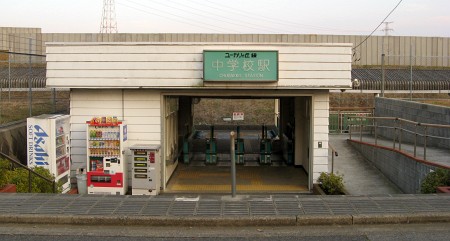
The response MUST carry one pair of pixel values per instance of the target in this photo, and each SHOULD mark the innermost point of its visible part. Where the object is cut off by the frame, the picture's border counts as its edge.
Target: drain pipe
(233, 165)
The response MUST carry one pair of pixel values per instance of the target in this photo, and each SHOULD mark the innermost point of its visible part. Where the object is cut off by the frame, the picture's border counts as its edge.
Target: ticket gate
(146, 169)
(265, 145)
(211, 148)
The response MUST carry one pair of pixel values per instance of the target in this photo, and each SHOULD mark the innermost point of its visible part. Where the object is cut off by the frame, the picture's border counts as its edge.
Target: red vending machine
(106, 164)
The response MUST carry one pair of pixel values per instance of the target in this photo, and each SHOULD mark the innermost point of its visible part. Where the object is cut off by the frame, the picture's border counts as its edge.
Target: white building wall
(319, 131)
(180, 65)
(139, 108)
(104, 78)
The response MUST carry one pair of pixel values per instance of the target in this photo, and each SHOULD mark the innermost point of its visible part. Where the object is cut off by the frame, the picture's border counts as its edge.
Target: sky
(341, 17)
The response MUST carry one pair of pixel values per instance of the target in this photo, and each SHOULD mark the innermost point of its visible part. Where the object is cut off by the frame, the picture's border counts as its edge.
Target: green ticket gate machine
(211, 148)
(239, 147)
(265, 145)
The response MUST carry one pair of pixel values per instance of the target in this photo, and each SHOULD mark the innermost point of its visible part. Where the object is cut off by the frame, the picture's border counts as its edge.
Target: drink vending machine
(146, 169)
(48, 146)
(106, 165)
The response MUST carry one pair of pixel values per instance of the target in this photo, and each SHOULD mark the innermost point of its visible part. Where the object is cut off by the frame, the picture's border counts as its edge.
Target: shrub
(331, 184)
(438, 178)
(4, 172)
(19, 177)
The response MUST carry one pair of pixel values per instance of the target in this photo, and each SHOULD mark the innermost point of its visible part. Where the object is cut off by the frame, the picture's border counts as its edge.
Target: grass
(14, 106)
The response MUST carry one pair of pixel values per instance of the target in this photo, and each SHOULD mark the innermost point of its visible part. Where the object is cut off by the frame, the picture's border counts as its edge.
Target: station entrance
(272, 144)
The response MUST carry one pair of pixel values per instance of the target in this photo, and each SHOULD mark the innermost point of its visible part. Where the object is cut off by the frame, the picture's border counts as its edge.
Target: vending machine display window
(106, 140)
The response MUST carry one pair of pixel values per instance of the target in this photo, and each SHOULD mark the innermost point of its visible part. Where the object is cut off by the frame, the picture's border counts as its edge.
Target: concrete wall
(403, 171)
(368, 53)
(418, 112)
(13, 141)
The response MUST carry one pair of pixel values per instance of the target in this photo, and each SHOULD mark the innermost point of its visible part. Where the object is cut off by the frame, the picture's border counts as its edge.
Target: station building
(152, 86)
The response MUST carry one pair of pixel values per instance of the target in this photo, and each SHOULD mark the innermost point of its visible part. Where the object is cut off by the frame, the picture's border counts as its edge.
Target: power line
(18, 53)
(184, 20)
(200, 12)
(241, 12)
(378, 25)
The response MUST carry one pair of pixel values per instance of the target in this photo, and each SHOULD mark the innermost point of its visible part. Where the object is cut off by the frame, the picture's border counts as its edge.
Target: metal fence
(402, 132)
(341, 119)
(22, 87)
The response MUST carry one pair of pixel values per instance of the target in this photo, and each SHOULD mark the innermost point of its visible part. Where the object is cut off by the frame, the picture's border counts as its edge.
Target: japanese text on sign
(240, 65)
(238, 115)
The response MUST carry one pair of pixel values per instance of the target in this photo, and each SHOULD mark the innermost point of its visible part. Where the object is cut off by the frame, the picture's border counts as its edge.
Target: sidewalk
(172, 210)
(360, 176)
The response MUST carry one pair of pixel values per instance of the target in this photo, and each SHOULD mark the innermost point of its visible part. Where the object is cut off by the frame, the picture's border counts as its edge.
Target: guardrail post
(360, 129)
(415, 140)
(395, 133)
(400, 135)
(425, 144)
(376, 131)
(349, 128)
(341, 121)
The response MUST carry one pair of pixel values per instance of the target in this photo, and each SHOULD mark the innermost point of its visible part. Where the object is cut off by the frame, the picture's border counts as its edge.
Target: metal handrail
(30, 172)
(398, 129)
(333, 154)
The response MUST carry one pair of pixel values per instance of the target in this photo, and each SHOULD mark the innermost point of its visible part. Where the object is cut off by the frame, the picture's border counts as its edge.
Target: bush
(4, 172)
(438, 178)
(19, 177)
(331, 184)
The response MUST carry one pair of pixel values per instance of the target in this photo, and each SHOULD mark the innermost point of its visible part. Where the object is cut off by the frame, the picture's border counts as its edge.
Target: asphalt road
(409, 232)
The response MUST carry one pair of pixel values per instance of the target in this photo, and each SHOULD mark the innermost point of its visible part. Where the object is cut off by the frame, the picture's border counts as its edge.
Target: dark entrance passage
(265, 146)
(198, 176)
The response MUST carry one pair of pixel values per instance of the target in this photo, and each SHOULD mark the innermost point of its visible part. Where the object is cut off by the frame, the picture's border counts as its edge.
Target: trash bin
(81, 181)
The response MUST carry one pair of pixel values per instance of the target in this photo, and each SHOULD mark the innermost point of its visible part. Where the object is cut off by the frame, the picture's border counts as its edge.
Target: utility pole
(109, 23)
(383, 55)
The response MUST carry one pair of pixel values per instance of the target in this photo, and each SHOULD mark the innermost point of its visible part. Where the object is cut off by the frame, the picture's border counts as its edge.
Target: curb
(205, 221)
(150, 220)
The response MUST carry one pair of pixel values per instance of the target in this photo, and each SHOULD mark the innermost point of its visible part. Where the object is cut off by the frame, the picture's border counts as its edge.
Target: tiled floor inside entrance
(249, 179)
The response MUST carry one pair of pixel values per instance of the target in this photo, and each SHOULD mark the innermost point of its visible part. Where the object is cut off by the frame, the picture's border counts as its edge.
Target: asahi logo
(36, 145)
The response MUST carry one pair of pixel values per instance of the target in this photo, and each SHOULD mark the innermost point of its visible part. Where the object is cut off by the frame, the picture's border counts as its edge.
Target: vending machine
(106, 165)
(146, 179)
(48, 146)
